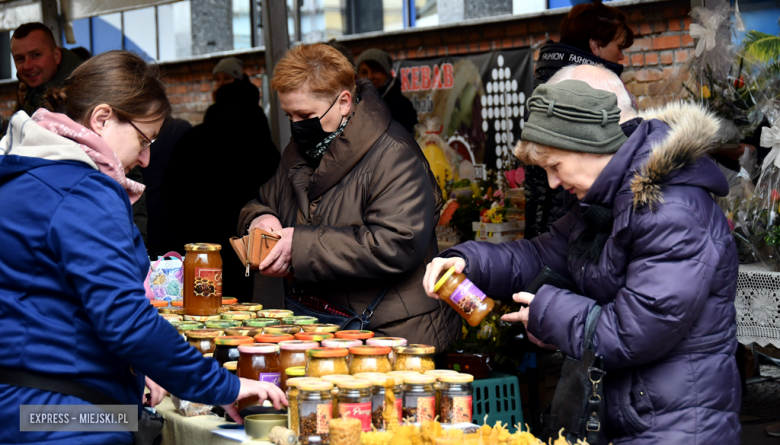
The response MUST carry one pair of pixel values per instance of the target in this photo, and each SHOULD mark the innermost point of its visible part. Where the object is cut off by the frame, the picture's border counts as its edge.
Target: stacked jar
(293, 354)
(370, 359)
(414, 358)
(391, 342)
(341, 343)
(335, 379)
(355, 401)
(273, 338)
(326, 361)
(456, 398)
(202, 279)
(226, 348)
(419, 398)
(315, 409)
(378, 388)
(313, 336)
(292, 401)
(203, 339)
(355, 335)
(258, 362)
(437, 385)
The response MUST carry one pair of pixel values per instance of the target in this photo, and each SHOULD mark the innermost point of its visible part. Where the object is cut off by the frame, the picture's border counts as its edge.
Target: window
(174, 31)
(136, 33)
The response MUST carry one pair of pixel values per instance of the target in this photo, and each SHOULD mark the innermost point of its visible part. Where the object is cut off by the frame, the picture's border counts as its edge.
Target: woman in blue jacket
(72, 303)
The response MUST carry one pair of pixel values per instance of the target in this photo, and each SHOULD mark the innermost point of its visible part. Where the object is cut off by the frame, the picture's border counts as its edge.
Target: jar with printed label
(202, 279)
(355, 401)
(459, 292)
(456, 398)
(292, 401)
(419, 397)
(259, 361)
(315, 408)
(378, 382)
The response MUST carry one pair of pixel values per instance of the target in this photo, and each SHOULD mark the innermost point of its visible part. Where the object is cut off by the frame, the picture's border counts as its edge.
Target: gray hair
(602, 79)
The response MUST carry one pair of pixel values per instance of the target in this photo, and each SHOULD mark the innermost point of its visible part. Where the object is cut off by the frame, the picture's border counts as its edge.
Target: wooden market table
(180, 430)
(758, 305)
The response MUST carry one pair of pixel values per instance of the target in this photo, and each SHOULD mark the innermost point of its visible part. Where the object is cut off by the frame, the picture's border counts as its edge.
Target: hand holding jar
(435, 268)
(255, 389)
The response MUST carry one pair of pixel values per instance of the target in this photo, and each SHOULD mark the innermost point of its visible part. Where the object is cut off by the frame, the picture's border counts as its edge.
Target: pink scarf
(93, 145)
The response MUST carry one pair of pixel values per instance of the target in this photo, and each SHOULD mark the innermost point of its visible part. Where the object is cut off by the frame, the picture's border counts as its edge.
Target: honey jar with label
(202, 279)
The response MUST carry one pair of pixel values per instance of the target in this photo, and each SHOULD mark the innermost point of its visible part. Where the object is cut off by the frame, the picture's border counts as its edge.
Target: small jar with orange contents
(202, 279)
(326, 361)
(293, 354)
(459, 292)
(355, 335)
(370, 359)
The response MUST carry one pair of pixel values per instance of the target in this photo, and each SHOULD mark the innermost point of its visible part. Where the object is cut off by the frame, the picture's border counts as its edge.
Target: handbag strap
(590, 326)
(47, 382)
(365, 317)
(162, 258)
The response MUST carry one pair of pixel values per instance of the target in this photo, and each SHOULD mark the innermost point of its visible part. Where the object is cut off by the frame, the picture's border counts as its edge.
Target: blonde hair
(531, 153)
(319, 67)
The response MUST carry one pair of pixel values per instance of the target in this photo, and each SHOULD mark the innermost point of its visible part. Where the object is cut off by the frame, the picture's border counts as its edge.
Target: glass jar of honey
(293, 354)
(459, 292)
(202, 279)
(414, 358)
(259, 361)
(326, 361)
(370, 359)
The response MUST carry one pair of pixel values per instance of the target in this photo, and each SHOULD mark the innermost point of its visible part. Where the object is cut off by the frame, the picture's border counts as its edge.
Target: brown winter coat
(364, 220)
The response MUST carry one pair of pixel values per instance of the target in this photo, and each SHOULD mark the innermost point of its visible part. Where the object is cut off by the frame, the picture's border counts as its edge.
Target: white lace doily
(758, 305)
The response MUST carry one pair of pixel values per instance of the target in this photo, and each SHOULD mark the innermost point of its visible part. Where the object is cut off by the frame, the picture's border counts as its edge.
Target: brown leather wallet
(253, 248)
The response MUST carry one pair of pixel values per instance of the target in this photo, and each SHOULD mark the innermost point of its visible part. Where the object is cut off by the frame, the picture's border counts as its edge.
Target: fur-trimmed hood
(693, 132)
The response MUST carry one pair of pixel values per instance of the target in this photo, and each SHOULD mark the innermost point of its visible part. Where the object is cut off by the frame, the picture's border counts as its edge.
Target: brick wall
(661, 44)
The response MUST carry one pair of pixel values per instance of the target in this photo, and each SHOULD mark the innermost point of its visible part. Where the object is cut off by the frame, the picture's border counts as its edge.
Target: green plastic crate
(498, 397)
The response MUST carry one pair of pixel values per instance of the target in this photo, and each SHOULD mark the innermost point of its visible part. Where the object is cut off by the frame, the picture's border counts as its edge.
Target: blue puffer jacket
(72, 302)
(666, 280)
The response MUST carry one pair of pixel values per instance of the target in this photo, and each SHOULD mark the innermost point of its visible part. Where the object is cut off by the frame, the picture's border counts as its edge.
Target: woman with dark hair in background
(593, 34)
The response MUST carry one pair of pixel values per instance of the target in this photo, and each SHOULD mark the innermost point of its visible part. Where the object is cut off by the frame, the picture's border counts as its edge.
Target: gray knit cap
(377, 55)
(231, 66)
(571, 115)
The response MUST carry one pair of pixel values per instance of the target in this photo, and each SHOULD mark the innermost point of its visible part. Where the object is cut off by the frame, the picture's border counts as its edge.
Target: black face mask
(308, 132)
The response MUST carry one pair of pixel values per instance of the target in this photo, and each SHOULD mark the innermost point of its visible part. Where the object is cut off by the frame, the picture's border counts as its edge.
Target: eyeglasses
(148, 142)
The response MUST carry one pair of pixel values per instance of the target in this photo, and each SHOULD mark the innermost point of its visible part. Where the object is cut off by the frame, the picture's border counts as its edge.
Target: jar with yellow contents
(326, 361)
(414, 358)
(370, 359)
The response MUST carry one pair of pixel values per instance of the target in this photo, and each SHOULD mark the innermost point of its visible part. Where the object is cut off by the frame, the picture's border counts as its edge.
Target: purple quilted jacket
(666, 280)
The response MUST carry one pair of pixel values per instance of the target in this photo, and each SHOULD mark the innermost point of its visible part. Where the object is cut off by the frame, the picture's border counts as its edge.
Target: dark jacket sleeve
(97, 253)
(398, 224)
(649, 316)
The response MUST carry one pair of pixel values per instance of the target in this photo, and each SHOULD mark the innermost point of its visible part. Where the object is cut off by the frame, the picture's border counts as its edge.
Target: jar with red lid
(326, 361)
(259, 361)
(355, 401)
(226, 348)
(370, 359)
(293, 354)
(313, 336)
(355, 335)
(202, 279)
(273, 338)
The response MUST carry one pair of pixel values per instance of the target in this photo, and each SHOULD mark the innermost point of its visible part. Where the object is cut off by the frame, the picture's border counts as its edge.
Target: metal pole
(277, 41)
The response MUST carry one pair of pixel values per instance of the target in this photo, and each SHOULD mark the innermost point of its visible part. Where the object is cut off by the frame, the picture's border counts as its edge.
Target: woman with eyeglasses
(354, 202)
(73, 312)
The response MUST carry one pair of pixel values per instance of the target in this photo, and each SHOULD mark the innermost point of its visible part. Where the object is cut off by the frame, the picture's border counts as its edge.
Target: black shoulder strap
(365, 317)
(590, 326)
(46, 382)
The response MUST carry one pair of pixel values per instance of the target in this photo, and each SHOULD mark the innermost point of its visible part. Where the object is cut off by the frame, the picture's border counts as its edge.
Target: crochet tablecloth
(758, 305)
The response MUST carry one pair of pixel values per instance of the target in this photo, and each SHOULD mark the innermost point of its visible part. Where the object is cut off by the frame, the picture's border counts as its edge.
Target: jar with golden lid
(455, 398)
(226, 347)
(355, 401)
(315, 407)
(414, 358)
(419, 397)
(370, 359)
(293, 354)
(326, 361)
(231, 366)
(171, 310)
(202, 279)
(292, 400)
(203, 339)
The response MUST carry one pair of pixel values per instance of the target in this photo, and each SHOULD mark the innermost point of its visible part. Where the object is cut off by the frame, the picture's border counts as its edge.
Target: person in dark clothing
(214, 170)
(376, 65)
(591, 34)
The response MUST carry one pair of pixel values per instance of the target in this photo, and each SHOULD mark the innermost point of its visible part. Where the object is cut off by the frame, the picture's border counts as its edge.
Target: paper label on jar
(271, 377)
(461, 410)
(467, 296)
(208, 283)
(360, 411)
(426, 408)
(324, 414)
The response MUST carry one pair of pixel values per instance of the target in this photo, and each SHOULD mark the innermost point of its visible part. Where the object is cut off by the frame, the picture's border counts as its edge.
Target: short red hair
(319, 67)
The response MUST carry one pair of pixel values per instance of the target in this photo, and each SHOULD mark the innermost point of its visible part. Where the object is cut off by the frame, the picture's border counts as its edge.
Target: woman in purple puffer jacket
(646, 242)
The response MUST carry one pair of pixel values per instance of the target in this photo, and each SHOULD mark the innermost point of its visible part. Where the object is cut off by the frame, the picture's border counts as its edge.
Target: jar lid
(337, 378)
(444, 278)
(402, 373)
(253, 307)
(261, 322)
(331, 328)
(315, 386)
(283, 329)
(441, 372)
(456, 378)
(230, 366)
(223, 324)
(416, 350)
(202, 247)
(298, 345)
(368, 375)
(245, 331)
(170, 310)
(234, 340)
(370, 350)
(158, 303)
(356, 335)
(201, 317)
(313, 336)
(172, 317)
(275, 313)
(229, 301)
(419, 379)
(238, 315)
(340, 343)
(273, 338)
(299, 320)
(386, 341)
(222, 309)
(295, 381)
(186, 325)
(381, 380)
(327, 352)
(258, 348)
(177, 303)
(204, 333)
(295, 371)
(353, 383)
